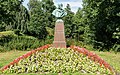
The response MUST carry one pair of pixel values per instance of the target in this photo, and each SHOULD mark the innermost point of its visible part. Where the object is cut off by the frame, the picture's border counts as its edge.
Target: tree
(69, 22)
(79, 27)
(48, 7)
(8, 8)
(36, 25)
(40, 17)
(22, 19)
(103, 19)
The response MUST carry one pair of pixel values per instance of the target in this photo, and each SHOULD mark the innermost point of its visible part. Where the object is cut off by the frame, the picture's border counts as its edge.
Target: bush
(116, 48)
(9, 41)
(2, 49)
(74, 42)
(6, 37)
(22, 43)
(79, 43)
(17, 31)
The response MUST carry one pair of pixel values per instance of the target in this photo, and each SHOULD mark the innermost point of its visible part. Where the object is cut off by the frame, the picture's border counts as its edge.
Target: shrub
(116, 48)
(22, 43)
(2, 49)
(74, 42)
(9, 41)
(17, 31)
(79, 43)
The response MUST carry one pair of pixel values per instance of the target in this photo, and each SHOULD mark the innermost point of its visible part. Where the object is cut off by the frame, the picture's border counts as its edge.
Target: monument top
(59, 12)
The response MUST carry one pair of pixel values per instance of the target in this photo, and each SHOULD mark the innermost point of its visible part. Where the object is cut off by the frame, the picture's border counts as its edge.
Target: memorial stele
(59, 35)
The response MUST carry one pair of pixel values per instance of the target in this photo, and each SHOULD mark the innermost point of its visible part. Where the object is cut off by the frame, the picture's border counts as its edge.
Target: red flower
(25, 56)
(46, 46)
(12, 63)
(16, 61)
(38, 49)
(21, 57)
(5, 67)
(29, 53)
(90, 54)
(33, 51)
(97, 58)
(42, 48)
(75, 47)
(86, 52)
(101, 62)
(106, 64)
(80, 50)
(71, 46)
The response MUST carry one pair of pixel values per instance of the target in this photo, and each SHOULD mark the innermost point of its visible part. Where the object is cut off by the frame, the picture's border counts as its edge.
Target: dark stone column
(59, 35)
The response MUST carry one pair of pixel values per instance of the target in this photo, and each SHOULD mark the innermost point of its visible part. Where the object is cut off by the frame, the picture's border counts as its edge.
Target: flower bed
(47, 59)
(93, 57)
(25, 56)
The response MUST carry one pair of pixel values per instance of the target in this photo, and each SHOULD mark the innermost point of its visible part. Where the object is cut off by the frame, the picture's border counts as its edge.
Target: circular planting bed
(47, 59)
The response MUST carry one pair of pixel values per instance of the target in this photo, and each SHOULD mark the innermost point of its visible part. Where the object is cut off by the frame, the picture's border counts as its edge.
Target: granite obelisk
(59, 34)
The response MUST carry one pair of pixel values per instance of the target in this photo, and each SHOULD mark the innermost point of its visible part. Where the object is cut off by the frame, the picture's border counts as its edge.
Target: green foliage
(2, 26)
(79, 27)
(116, 36)
(102, 16)
(8, 10)
(6, 36)
(79, 43)
(41, 17)
(116, 48)
(74, 42)
(2, 49)
(68, 21)
(36, 25)
(9, 41)
(97, 23)
(50, 31)
(57, 60)
(21, 20)
(22, 43)
(47, 8)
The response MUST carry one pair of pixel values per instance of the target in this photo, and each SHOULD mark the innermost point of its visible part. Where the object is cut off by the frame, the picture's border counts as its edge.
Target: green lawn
(7, 57)
(110, 57)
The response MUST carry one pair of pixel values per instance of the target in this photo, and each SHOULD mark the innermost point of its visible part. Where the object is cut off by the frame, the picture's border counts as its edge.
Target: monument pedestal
(59, 35)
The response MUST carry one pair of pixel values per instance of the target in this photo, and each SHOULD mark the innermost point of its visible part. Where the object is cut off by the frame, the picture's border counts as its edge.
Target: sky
(75, 4)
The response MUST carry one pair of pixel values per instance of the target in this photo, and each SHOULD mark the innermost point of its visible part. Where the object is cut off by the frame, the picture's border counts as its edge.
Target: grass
(110, 57)
(7, 57)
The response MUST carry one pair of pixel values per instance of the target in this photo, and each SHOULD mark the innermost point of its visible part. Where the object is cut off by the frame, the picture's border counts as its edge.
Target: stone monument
(59, 35)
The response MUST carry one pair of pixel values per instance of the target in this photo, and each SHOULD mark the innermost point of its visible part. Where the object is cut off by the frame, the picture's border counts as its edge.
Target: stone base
(59, 35)
(59, 44)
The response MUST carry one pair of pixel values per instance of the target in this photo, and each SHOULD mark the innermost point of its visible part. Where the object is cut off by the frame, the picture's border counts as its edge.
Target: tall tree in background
(40, 17)
(103, 19)
(68, 19)
(79, 27)
(48, 7)
(36, 25)
(8, 9)
(22, 19)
